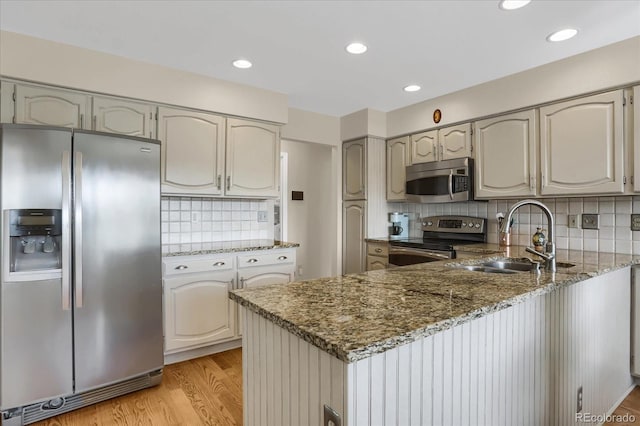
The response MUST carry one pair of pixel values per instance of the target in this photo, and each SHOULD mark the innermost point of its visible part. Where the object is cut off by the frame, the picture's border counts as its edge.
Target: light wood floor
(630, 405)
(203, 391)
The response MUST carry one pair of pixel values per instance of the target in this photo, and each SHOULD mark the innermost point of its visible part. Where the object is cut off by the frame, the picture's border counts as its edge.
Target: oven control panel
(458, 224)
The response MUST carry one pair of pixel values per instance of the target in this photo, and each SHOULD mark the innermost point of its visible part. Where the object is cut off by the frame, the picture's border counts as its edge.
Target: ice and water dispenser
(35, 240)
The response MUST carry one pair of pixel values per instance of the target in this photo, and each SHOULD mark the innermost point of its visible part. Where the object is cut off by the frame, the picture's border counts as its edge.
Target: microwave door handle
(451, 184)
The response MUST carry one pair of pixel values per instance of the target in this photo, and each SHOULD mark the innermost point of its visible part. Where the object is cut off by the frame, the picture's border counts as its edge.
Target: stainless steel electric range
(440, 234)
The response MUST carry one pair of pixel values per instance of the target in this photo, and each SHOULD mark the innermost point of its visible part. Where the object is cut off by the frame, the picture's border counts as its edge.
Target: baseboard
(622, 398)
(198, 352)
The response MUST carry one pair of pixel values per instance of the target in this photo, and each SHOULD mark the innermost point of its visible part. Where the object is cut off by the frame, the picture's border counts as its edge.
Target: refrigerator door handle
(66, 230)
(77, 172)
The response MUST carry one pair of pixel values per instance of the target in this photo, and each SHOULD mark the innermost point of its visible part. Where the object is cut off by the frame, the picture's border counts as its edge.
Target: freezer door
(117, 260)
(36, 359)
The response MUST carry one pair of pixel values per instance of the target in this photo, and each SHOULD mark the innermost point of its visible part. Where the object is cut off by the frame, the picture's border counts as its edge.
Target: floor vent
(36, 412)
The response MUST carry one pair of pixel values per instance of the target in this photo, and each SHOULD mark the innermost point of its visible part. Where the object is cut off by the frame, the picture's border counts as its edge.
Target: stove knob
(464, 225)
(470, 224)
(477, 225)
(429, 223)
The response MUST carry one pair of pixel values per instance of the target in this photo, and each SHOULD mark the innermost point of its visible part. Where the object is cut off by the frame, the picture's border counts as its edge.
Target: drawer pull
(252, 260)
(219, 264)
(378, 250)
(181, 267)
(283, 258)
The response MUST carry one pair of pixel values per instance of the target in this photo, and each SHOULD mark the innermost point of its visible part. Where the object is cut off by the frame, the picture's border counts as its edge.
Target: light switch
(590, 221)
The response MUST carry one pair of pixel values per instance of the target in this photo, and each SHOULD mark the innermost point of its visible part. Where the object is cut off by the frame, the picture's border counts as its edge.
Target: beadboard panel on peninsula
(521, 365)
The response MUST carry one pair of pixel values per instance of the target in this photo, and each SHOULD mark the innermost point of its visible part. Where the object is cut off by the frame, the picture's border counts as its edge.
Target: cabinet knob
(181, 267)
(219, 264)
(378, 250)
(252, 260)
(283, 258)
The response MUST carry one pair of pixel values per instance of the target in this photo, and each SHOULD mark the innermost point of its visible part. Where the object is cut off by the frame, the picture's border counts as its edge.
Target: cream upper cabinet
(353, 235)
(7, 110)
(129, 118)
(424, 147)
(53, 107)
(581, 146)
(253, 159)
(505, 155)
(636, 139)
(354, 171)
(455, 141)
(192, 152)
(198, 311)
(397, 160)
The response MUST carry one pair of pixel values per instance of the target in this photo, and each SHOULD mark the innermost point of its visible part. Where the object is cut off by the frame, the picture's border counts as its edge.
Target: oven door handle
(451, 184)
(421, 252)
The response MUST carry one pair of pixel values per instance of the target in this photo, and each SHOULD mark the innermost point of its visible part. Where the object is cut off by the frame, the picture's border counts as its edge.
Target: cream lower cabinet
(197, 308)
(192, 152)
(257, 270)
(581, 146)
(354, 232)
(397, 161)
(506, 156)
(253, 159)
(52, 107)
(114, 115)
(377, 256)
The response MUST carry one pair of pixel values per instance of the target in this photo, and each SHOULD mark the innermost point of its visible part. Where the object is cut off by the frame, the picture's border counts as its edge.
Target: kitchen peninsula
(436, 344)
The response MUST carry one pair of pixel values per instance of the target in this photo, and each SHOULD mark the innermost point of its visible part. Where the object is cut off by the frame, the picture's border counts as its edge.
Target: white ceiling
(297, 47)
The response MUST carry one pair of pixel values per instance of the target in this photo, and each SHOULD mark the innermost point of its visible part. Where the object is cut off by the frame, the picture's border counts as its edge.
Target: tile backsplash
(614, 235)
(195, 223)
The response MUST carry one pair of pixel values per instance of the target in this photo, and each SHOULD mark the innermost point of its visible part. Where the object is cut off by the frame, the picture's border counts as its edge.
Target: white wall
(38, 60)
(366, 122)
(309, 126)
(312, 221)
(609, 66)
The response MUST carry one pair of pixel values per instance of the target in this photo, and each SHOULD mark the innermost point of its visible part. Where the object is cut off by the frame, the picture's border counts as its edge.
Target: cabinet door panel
(354, 170)
(123, 117)
(397, 159)
(253, 159)
(505, 155)
(424, 147)
(354, 226)
(455, 141)
(198, 311)
(192, 151)
(52, 107)
(636, 139)
(376, 263)
(7, 106)
(581, 146)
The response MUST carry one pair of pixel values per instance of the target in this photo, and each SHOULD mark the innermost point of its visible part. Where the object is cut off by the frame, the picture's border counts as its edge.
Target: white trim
(284, 197)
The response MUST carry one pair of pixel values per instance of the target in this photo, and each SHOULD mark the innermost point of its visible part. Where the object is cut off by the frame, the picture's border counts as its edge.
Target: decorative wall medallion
(437, 115)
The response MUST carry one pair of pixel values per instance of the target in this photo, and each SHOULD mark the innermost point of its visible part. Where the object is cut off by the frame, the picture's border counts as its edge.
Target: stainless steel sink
(513, 265)
(503, 266)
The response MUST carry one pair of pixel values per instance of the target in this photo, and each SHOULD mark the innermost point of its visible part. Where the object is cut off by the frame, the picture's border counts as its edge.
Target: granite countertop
(232, 247)
(355, 316)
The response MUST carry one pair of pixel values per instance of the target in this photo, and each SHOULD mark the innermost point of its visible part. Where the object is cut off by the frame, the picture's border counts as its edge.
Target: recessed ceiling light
(242, 63)
(513, 4)
(562, 35)
(412, 88)
(356, 48)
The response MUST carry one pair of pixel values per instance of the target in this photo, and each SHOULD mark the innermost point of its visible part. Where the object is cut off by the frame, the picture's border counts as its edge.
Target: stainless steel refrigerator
(81, 289)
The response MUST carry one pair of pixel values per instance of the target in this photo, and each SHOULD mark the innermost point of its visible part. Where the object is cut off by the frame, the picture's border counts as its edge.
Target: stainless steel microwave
(440, 181)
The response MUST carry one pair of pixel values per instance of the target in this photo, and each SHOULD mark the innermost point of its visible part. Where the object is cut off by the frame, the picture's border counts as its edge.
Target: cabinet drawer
(378, 249)
(253, 260)
(190, 265)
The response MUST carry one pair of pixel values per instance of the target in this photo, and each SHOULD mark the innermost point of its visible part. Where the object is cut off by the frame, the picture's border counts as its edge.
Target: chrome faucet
(549, 254)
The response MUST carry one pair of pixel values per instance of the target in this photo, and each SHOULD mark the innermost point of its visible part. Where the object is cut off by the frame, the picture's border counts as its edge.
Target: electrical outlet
(262, 216)
(572, 221)
(196, 217)
(590, 221)
(579, 402)
(635, 222)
